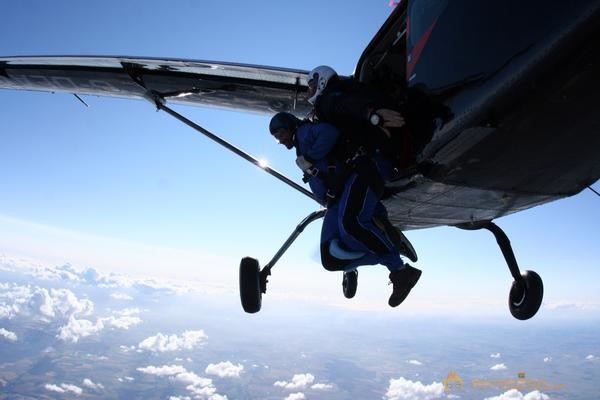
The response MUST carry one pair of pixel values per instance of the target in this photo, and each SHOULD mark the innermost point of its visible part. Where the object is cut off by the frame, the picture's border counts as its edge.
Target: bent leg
(347, 258)
(358, 203)
(329, 232)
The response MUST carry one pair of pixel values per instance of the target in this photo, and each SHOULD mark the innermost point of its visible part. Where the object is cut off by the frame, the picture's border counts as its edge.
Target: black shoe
(396, 236)
(404, 280)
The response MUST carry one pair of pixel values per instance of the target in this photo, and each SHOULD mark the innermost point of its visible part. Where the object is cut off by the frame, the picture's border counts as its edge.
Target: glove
(303, 163)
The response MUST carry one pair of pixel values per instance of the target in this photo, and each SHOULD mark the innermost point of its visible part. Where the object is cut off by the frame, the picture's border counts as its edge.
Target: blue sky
(118, 186)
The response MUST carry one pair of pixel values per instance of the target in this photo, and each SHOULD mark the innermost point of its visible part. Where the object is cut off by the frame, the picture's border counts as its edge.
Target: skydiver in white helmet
(366, 120)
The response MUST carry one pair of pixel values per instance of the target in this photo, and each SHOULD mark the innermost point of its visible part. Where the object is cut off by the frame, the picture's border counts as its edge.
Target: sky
(121, 187)
(121, 232)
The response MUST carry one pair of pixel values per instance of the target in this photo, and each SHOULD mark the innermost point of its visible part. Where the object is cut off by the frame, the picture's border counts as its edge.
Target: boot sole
(411, 285)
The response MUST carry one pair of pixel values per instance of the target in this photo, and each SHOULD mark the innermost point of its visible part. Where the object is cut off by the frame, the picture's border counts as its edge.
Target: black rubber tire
(350, 283)
(524, 304)
(250, 292)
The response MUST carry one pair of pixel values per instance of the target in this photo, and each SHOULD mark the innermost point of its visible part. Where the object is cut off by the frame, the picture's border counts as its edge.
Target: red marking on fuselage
(416, 51)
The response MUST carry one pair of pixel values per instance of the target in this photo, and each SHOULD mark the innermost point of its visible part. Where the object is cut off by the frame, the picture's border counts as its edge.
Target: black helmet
(283, 120)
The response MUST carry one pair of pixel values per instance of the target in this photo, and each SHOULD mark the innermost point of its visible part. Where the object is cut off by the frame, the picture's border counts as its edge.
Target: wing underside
(202, 83)
(420, 202)
(424, 203)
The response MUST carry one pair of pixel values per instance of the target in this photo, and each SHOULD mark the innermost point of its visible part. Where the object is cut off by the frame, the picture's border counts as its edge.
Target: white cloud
(180, 398)
(322, 386)
(224, 369)
(590, 357)
(514, 394)
(495, 355)
(60, 303)
(123, 319)
(162, 343)
(296, 396)
(122, 322)
(547, 359)
(91, 385)
(121, 296)
(64, 388)
(198, 386)
(6, 311)
(415, 362)
(14, 300)
(299, 381)
(65, 272)
(303, 381)
(498, 367)
(165, 370)
(54, 388)
(60, 306)
(78, 328)
(8, 335)
(47, 305)
(72, 388)
(126, 349)
(118, 282)
(401, 389)
(190, 378)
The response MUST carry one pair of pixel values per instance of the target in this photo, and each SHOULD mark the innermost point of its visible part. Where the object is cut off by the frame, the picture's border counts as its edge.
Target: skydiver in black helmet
(315, 145)
(366, 120)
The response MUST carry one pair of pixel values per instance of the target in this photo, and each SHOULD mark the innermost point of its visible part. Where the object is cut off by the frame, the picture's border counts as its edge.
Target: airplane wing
(202, 83)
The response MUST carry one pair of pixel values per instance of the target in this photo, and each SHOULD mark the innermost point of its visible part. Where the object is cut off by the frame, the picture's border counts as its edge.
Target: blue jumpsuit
(316, 141)
(346, 103)
(358, 204)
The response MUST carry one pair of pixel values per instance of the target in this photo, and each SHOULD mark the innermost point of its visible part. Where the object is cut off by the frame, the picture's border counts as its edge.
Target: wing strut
(160, 105)
(135, 72)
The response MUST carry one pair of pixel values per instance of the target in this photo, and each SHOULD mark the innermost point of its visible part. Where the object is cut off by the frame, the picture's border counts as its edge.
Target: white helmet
(320, 76)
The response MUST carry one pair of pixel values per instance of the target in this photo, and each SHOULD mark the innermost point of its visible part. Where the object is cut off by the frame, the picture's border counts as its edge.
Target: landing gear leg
(527, 290)
(253, 280)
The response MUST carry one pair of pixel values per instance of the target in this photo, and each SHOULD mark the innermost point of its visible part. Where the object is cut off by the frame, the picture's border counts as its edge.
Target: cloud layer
(64, 388)
(199, 387)
(8, 335)
(401, 389)
(224, 369)
(303, 381)
(60, 306)
(161, 343)
(514, 394)
(299, 381)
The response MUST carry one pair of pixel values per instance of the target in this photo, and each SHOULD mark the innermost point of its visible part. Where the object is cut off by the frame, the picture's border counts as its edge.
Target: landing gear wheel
(250, 290)
(526, 296)
(350, 283)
